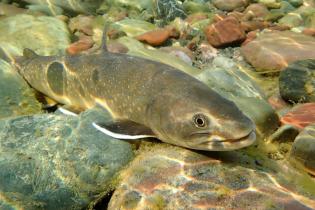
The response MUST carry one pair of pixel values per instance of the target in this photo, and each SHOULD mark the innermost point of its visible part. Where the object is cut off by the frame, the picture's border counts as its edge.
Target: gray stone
(297, 81)
(45, 35)
(16, 97)
(167, 177)
(303, 149)
(57, 162)
(285, 133)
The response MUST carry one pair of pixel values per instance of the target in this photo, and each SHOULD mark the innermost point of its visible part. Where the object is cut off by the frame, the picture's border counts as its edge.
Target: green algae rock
(80, 6)
(45, 35)
(16, 97)
(59, 162)
(133, 27)
(168, 10)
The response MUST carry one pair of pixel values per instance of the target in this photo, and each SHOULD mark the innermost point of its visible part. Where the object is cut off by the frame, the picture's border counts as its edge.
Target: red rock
(250, 37)
(157, 37)
(84, 43)
(300, 116)
(225, 32)
(309, 31)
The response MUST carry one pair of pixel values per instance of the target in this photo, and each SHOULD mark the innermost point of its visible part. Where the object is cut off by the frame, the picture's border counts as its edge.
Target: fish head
(202, 119)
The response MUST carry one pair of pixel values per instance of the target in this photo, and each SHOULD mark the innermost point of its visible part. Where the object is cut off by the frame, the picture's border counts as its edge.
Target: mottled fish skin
(153, 94)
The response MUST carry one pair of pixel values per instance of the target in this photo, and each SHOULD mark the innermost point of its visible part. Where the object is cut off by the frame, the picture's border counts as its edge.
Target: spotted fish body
(172, 105)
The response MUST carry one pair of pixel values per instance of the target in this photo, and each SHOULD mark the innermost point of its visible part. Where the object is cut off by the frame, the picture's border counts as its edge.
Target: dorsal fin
(28, 53)
(104, 38)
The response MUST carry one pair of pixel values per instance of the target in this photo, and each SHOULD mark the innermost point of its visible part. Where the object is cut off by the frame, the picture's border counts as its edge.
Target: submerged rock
(230, 5)
(81, 6)
(57, 162)
(16, 97)
(177, 178)
(225, 32)
(168, 10)
(300, 116)
(297, 81)
(273, 51)
(303, 149)
(45, 35)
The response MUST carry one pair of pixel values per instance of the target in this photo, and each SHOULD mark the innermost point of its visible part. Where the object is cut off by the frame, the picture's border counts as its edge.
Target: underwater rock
(45, 35)
(7, 10)
(303, 149)
(256, 11)
(80, 6)
(177, 178)
(158, 36)
(309, 31)
(286, 133)
(61, 162)
(168, 10)
(273, 51)
(230, 5)
(16, 97)
(82, 24)
(300, 116)
(225, 32)
(271, 4)
(297, 82)
(292, 20)
(133, 27)
(84, 43)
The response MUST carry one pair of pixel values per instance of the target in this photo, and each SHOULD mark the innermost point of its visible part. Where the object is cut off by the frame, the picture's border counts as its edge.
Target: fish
(145, 98)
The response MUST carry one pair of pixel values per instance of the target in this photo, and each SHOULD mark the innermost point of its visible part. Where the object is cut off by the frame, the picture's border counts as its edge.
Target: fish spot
(56, 77)
(95, 75)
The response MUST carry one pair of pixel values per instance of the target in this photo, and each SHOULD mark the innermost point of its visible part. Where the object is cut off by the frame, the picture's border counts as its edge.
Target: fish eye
(200, 120)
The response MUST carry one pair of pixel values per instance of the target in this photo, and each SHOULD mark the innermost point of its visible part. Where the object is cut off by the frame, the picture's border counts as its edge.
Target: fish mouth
(227, 144)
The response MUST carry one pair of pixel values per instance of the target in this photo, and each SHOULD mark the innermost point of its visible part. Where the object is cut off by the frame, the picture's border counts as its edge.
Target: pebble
(300, 116)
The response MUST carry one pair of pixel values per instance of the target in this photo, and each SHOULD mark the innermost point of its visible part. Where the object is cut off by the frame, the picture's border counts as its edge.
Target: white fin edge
(120, 136)
(67, 112)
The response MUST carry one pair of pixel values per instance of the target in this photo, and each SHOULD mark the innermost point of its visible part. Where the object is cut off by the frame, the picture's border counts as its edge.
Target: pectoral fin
(127, 130)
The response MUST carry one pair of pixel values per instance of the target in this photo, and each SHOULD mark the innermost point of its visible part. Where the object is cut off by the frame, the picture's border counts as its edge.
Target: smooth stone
(168, 10)
(133, 27)
(273, 51)
(230, 5)
(257, 10)
(16, 97)
(291, 20)
(303, 149)
(286, 133)
(50, 10)
(300, 116)
(82, 24)
(297, 82)
(271, 4)
(157, 37)
(86, 6)
(55, 161)
(225, 32)
(193, 7)
(177, 178)
(27, 30)
(295, 3)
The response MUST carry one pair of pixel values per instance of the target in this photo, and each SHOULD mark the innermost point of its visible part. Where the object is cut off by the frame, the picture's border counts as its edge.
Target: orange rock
(277, 102)
(83, 44)
(157, 37)
(300, 116)
(250, 37)
(225, 32)
(309, 31)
